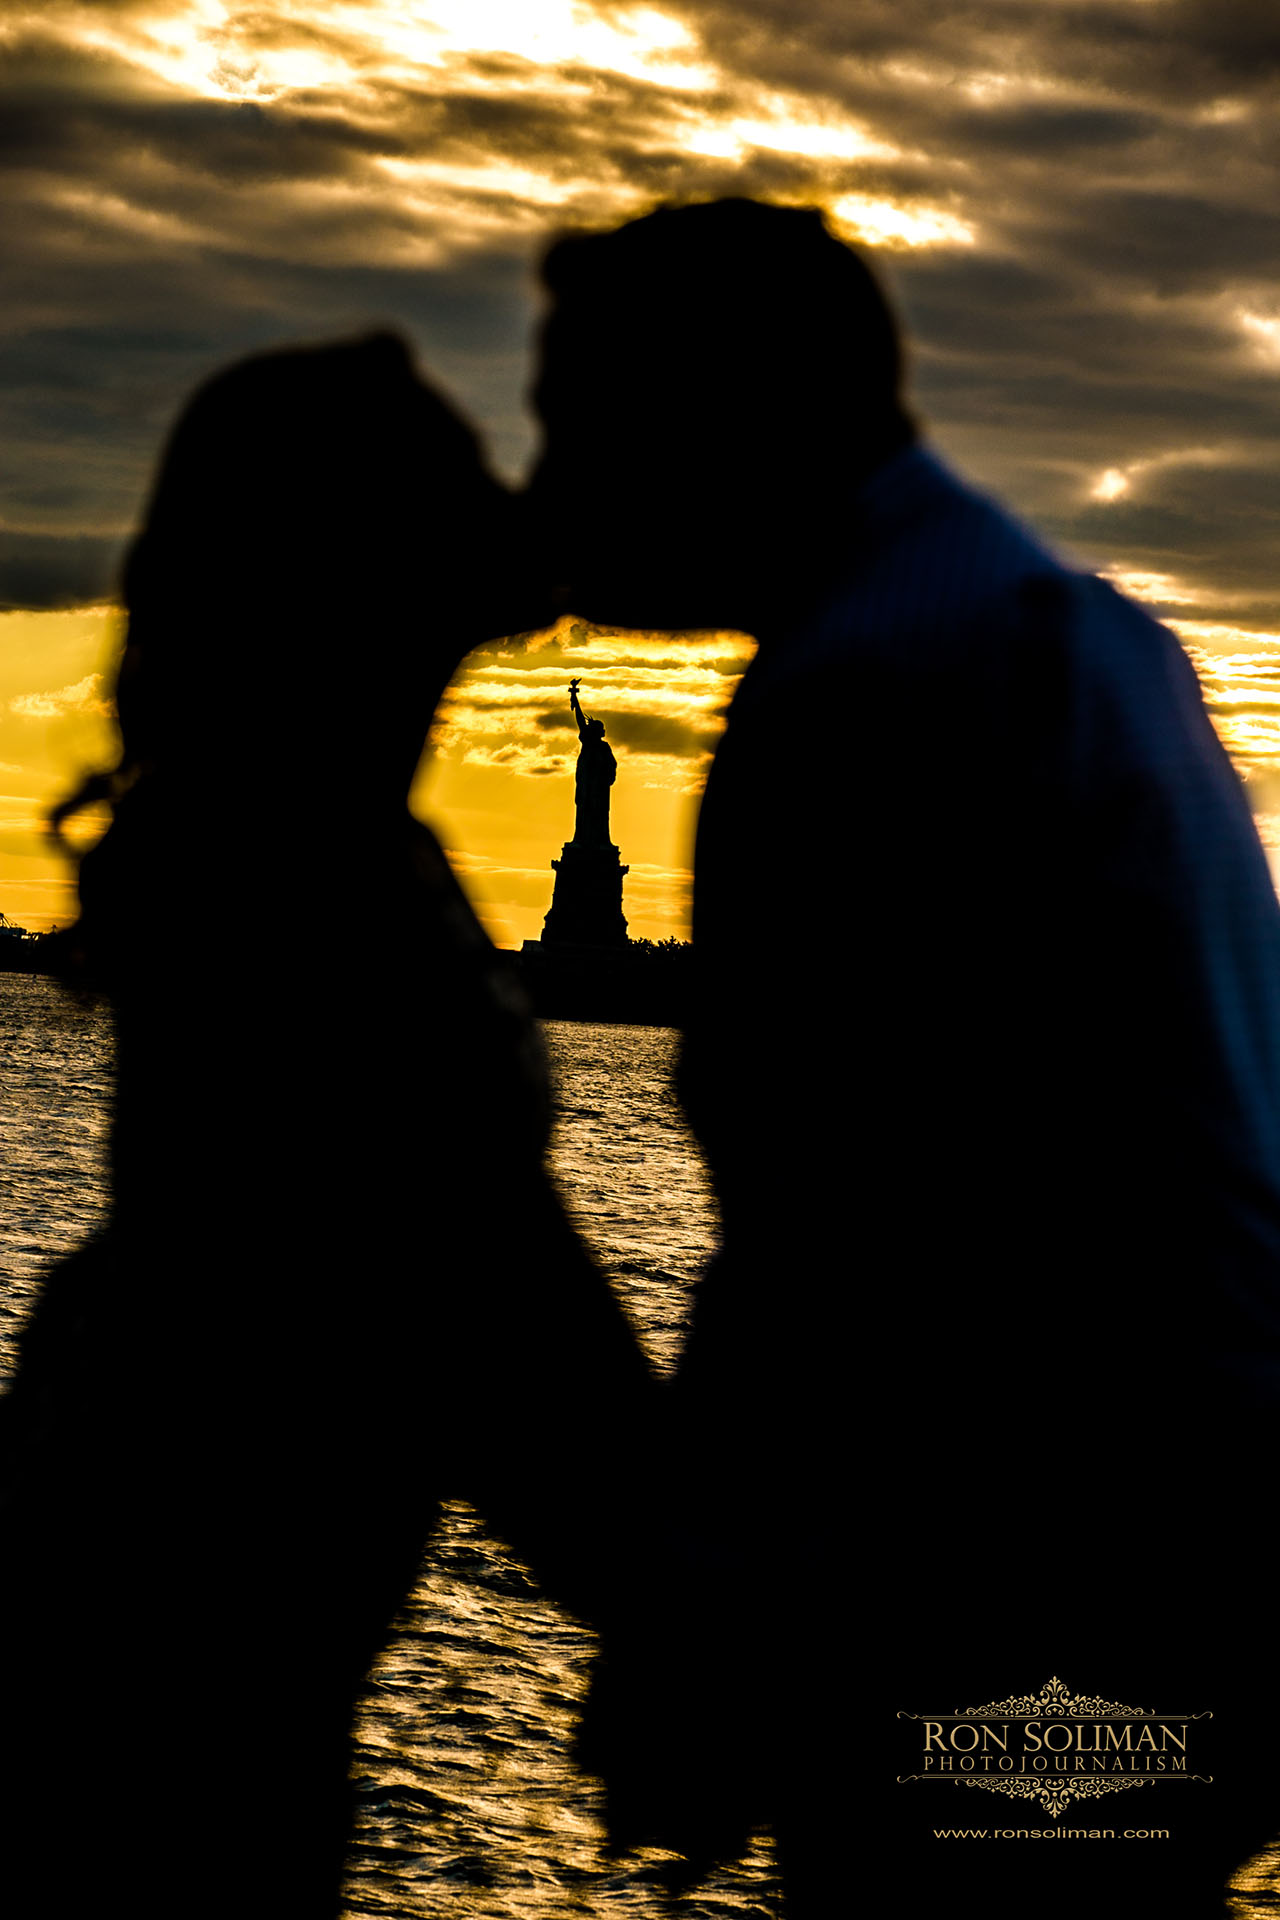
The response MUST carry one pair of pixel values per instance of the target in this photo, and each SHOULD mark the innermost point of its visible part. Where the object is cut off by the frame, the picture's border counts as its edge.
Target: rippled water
(467, 1801)
(629, 1170)
(55, 1081)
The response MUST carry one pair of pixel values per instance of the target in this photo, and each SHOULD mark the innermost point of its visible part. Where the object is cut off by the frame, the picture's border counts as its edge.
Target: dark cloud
(36, 571)
(502, 699)
(1169, 49)
(57, 118)
(1114, 161)
(1061, 131)
(658, 733)
(643, 732)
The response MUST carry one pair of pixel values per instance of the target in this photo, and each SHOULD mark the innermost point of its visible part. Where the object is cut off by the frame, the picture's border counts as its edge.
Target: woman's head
(322, 546)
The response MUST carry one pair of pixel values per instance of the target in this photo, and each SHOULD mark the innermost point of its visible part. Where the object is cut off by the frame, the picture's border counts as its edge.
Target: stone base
(586, 905)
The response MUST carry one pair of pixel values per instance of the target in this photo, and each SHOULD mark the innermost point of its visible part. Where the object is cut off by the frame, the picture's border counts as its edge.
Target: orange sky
(497, 784)
(55, 726)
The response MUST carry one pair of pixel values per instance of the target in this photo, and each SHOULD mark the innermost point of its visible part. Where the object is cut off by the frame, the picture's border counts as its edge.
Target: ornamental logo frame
(1055, 1747)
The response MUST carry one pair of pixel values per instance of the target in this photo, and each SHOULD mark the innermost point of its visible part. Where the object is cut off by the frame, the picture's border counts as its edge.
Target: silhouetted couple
(984, 1057)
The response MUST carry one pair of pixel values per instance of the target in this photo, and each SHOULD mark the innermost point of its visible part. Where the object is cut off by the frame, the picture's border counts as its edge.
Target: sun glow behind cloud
(1116, 483)
(374, 62)
(785, 130)
(1110, 485)
(1264, 332)
(640, 42)
(884, 223)
(251, 53)
(1163, 590)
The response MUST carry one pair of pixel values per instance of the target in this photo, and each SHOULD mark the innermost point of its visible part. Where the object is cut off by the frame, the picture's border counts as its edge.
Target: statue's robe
(596, 772)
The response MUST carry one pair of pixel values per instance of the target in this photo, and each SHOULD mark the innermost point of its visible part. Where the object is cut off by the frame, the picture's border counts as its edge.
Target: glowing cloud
(83, 696)
(1110, 485)
(786, 130)
(882, 223)
(1263, 332)
(232, 52)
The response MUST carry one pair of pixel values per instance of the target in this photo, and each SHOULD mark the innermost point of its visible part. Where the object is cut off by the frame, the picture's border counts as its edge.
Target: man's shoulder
(932, 551)
(927, 564)
(939, 582)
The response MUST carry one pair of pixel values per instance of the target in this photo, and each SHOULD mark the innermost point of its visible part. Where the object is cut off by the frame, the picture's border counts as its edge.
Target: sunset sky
(1073, 203)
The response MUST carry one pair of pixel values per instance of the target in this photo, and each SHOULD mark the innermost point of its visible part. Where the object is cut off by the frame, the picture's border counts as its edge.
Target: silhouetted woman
(336, 1287)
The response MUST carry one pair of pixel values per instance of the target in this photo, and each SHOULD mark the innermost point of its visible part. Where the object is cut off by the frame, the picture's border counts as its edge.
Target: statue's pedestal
(586, 904)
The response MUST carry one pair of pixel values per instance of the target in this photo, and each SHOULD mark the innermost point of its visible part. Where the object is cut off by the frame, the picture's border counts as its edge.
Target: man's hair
(741, 309)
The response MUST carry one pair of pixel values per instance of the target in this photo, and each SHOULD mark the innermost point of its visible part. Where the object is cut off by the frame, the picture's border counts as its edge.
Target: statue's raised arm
(576, 706)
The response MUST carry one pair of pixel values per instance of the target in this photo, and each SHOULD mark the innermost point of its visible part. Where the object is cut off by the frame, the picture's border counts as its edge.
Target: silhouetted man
(985, 1059)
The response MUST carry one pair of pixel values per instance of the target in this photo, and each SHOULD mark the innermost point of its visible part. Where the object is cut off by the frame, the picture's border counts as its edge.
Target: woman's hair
(309, 558)
(322, 546)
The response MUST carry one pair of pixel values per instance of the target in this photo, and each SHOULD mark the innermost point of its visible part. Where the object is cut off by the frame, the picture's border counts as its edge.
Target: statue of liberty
(597, 770)
(586, 902)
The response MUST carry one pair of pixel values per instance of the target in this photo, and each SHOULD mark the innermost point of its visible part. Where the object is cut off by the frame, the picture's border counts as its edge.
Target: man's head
(716, 380)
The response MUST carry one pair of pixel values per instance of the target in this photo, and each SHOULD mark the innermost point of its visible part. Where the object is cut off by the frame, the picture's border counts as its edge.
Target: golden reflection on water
(1254, 1888)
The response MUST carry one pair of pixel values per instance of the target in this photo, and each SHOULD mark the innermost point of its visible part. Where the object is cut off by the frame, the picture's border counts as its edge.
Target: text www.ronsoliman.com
(1049, 1833)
